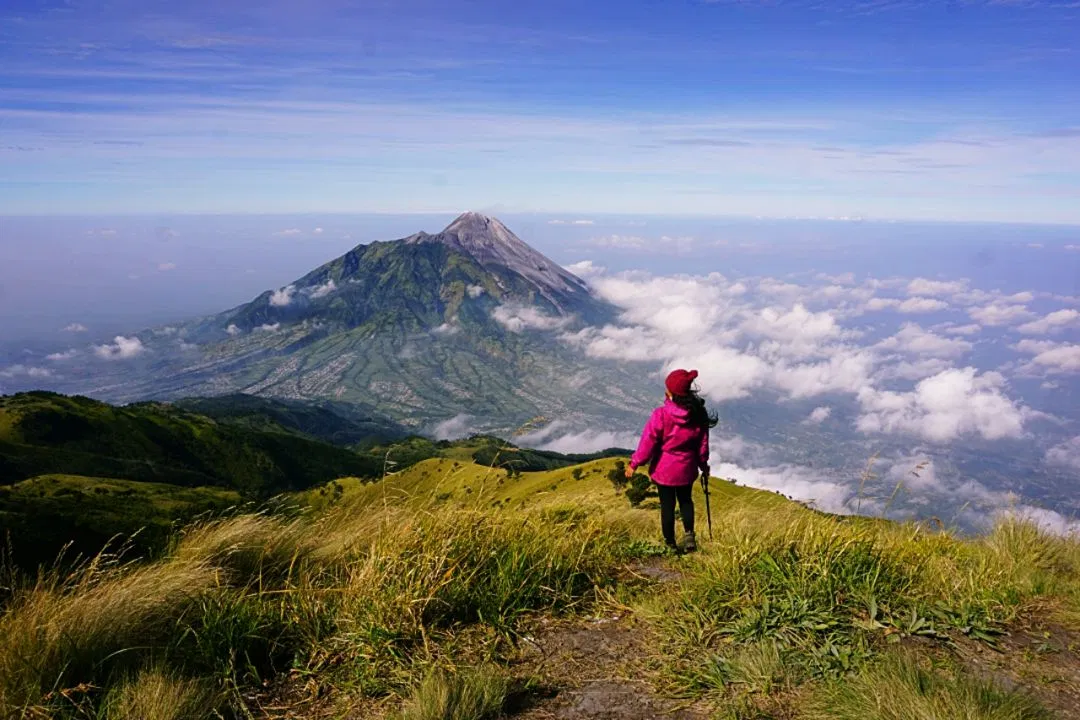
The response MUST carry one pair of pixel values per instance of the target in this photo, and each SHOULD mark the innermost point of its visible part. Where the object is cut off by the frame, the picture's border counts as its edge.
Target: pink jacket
(674, 450)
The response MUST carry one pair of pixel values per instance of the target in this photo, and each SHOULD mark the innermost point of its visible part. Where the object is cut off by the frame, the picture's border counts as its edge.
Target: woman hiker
(675, 445)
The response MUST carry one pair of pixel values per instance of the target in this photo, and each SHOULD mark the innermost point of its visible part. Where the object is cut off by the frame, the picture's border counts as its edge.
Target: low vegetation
(413, 598)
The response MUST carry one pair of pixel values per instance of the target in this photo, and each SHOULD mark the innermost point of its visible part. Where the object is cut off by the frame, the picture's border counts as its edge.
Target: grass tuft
(473, 694)
(159, 695)
(903, 687)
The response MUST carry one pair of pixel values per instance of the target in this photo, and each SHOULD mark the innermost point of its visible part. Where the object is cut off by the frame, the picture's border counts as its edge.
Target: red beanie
(679, 381)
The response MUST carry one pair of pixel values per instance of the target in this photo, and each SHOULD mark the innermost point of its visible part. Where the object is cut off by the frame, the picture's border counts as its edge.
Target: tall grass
(357, 595)
(830, 592)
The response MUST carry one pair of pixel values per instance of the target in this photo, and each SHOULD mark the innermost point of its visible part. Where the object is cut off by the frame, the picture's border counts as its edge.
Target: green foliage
(343, 424)
(639, 489)
(497, 452)
(42, 516)
(617, 476)
(157, 443)
(902, 686)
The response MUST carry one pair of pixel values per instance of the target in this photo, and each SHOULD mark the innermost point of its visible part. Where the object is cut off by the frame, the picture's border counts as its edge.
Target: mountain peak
(472, 222)
(491, 243)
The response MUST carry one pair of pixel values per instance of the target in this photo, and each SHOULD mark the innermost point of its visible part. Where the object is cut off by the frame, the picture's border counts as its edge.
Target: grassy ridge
(47, 514)
(402, 598)
(49, 433)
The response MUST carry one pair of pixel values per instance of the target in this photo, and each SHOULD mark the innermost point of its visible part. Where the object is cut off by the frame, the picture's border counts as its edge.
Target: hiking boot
(689, 542)
(672, 548)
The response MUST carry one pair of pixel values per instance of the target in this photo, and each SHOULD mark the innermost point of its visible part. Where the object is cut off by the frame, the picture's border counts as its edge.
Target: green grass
(902, 686)
(390, 592)
(44, 515)
(466, 695)
(357, 598)
(823, 595)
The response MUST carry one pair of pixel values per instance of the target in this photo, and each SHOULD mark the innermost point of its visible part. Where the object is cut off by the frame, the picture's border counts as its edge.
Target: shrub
(639, 489)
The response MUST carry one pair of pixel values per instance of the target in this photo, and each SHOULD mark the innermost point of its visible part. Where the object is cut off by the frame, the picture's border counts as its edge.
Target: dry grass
(156, 694)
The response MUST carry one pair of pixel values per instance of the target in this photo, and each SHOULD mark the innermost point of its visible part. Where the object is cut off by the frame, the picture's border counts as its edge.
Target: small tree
(617, 476)
(577, 473)
(638, 490)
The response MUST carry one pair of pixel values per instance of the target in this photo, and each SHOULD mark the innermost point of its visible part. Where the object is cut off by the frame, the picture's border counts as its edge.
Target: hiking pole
(708, 507)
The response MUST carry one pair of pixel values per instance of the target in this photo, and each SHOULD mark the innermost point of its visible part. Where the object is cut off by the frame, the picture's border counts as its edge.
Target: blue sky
(873, 108)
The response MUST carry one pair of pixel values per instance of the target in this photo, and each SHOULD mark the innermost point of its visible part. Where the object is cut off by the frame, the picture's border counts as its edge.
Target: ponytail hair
(699, 414)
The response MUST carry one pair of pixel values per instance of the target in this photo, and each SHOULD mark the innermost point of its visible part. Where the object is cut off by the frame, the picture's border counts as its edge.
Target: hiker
(675, 445)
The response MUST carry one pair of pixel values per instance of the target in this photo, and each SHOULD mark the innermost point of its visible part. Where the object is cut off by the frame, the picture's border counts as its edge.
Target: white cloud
(877, 303)
(282, 297)
(944, 407)
(474, 291)
(1035, 246)
(289, 231)
(798, 483)
(924, 286)
(586, 268)
(455, 428)
(75, 327)
(1066, 454)
(447, 329)
(972, 329)
(914, 340)
(797, 328)
(267, 327)
(25, 371)
(1021, 297)
(570, 222)
(61, 356)
(559, 437)
(581, 222)
(233, 330)
(317, 231)
(121, 348)
(321, 290)
(921, 305)
(1064, 358)
(518, 318)
(997, 314)
(166, 266)
(914, 369)
(1072, 247)
(819, 415)
(1051, 323)
(103, 232)
(1034, 347)
(620, 242)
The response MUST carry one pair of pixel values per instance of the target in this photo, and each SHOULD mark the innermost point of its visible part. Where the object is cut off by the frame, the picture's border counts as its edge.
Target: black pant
(668, 495)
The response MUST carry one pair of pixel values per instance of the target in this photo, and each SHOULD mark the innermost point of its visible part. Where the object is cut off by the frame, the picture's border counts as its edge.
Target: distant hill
(46, 433)
(333, 422)
(81, 472)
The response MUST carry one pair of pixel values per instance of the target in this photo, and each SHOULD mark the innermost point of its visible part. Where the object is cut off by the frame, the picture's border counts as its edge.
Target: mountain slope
(45, 433)
(422, 329)
(335, 423)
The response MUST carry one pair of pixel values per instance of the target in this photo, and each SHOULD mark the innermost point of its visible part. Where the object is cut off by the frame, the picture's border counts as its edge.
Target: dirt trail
(1041, 658)
(594, 671)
